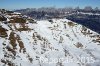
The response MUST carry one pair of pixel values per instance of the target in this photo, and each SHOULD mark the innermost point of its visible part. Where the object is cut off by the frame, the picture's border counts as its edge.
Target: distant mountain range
(88, 17)
(47, 13)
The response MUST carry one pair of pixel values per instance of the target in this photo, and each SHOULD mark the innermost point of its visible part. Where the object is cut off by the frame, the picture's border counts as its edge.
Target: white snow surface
(48, 42)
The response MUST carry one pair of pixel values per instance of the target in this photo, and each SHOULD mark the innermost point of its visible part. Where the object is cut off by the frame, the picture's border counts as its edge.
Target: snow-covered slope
(57, 42)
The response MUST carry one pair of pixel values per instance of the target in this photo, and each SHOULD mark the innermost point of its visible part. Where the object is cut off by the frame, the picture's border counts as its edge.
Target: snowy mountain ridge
(44, 42)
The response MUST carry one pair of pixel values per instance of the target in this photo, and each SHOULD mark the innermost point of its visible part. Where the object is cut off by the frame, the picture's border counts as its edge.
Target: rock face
(45, 43)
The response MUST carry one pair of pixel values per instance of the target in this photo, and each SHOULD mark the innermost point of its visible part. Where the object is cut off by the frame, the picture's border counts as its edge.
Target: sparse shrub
(85, 31)
(9, 12)
(96, 40)
(35, 35)
(32, 21)
(24, 50)
(30, 59)
(2, 18)
(39, 37)
(84, 28)
(3, 61)
(9, 63)
(61, 39)
(79, 45)
(50, 20)
(11, 50)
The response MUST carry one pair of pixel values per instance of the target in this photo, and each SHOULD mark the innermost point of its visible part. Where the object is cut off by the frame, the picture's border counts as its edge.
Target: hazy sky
(17, 4)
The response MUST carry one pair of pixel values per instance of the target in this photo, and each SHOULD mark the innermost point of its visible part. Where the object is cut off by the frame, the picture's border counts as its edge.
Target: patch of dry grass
(71, 24)
(3, 32)
(24, 29)
(21, 44)
(12, 39)
(17, 20)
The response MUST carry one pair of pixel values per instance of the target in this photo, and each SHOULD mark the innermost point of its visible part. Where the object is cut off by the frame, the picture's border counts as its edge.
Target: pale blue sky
(17, 4)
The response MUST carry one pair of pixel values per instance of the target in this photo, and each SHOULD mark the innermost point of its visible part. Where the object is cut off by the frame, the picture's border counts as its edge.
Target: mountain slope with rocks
(55, 42)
